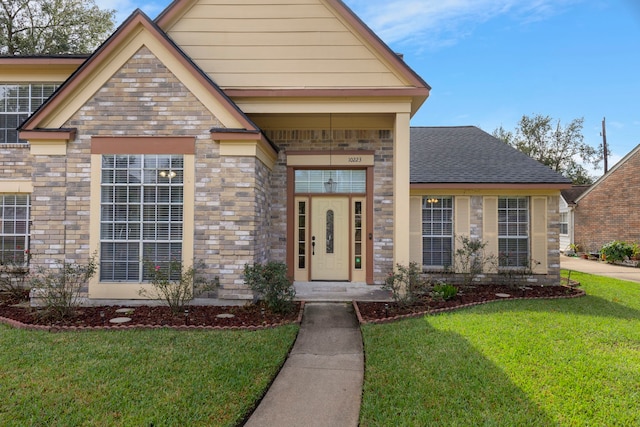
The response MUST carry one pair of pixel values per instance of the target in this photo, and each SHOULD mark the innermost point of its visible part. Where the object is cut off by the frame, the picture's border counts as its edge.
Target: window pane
(437, 231)
(127, 242)
(513, 231)
(14, 228)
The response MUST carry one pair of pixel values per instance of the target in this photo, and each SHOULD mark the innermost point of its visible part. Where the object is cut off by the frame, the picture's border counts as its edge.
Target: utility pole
(604, 145)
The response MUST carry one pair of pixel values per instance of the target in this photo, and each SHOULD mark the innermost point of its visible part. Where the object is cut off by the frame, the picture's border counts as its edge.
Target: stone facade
(379, 141)
(609, 211)
(145, 99)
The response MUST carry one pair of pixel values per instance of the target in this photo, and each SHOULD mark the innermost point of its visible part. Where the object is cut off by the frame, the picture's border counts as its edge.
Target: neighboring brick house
(282, 135)
(568, 198)
(609, 209)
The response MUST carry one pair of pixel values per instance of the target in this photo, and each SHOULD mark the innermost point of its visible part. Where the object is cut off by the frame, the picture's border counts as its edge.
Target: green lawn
(569, 362)
(136, 378)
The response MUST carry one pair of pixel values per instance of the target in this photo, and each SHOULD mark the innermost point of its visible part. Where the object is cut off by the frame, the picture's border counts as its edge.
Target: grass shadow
(418, 375)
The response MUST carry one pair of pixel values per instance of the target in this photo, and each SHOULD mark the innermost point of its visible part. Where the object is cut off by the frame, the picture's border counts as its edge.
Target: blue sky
(491, 61)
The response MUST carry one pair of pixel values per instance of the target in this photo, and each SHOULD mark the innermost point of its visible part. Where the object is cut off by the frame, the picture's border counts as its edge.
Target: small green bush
(270, 281)
(616, 251)
(176, 284)
(444, 291)
(61, 287)
(14, 273)
(405, 283)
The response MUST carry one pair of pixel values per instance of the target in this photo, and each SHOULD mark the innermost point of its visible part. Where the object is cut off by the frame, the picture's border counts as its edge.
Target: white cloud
(435, 23)
(124, 8)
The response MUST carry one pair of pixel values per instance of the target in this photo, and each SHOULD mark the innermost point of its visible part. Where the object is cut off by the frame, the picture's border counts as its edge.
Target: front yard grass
(136, 377)
(561, 362)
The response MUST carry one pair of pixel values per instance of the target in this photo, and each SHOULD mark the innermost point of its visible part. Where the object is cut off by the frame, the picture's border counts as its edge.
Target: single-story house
(608, 209)
(245, 132)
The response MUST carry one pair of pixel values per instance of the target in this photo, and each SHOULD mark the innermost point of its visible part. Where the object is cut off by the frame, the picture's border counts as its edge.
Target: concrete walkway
(600, 268)
(320, 384)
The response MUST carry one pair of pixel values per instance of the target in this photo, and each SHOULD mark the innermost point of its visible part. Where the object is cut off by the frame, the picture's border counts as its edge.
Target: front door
(330, 238)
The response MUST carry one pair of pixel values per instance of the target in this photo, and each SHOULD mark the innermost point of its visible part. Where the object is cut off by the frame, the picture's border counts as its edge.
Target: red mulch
(381, 312)
(248, 316)
(257, 315)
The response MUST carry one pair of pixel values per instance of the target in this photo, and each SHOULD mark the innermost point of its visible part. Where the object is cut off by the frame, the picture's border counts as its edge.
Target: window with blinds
(513, 231)
(437, 231)
(141, 218)
(14, 231)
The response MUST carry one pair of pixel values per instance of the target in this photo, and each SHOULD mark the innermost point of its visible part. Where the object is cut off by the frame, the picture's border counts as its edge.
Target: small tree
(470, 259)
(406, 284)
(52, 27)
(562, 148)
(270, 281)
(176, 284)
(60, 287)
(14, 273)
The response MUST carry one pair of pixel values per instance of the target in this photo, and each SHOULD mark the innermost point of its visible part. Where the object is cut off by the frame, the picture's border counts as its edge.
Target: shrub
(405, 283)
(60, 287)
(271, 283)
(176, 284)
(14, 274)
(444, 291)
(616, 251)
(470, 258)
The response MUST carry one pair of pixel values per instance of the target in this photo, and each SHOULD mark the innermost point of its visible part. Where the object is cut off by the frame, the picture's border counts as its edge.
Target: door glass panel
(330, 230)
(302, 234)
(358, 236)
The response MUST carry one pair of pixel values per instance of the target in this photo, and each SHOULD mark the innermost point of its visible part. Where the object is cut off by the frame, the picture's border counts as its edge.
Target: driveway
(600, 268)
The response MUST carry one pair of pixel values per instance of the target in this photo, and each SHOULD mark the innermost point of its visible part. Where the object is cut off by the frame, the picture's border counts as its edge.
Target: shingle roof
(467, 154)
(571, 194)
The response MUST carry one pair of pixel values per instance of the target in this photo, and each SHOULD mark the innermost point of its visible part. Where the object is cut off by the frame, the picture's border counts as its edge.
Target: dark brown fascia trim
(315, 153)
(364, 30)
(174, 8)
(243, 135)
(489, 186)
(178, 6)
(333, 92)
(41, 60)
(234, 134)
(143, 145)
(48, 134)
(95, 61)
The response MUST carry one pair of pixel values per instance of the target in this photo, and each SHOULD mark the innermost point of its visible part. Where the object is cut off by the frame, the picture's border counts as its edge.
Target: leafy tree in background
(52, 27)
(562, 148)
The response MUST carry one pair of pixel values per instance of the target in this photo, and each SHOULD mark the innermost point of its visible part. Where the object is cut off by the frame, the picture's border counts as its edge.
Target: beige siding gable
(136, 35)
(249, 44)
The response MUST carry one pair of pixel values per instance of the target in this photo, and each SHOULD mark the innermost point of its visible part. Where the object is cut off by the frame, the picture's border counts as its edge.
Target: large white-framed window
(437, 231)
(14, 230)
(141, 214)
(17, 102)
(513, 231)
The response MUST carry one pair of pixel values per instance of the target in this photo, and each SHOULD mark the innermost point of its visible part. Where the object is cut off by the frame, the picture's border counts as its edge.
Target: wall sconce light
(167, 174)
(432, 200)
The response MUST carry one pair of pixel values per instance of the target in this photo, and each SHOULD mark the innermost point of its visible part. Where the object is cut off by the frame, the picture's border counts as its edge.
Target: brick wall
(610, 211)
(145, 99)
(380, 141)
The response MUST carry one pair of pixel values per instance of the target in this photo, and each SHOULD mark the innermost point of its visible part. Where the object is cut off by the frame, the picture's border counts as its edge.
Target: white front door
(330, 238)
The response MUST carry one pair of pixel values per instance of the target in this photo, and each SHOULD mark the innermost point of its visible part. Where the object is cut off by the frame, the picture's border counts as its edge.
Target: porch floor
(339, 291)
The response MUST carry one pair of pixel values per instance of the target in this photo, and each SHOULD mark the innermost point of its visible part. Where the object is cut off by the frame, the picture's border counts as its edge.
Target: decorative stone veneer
(145, 99)
(381, 142)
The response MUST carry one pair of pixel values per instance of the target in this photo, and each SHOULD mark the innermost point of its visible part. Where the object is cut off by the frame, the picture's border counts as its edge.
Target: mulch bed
(380, 312)
(254, 316)
(257, 316)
